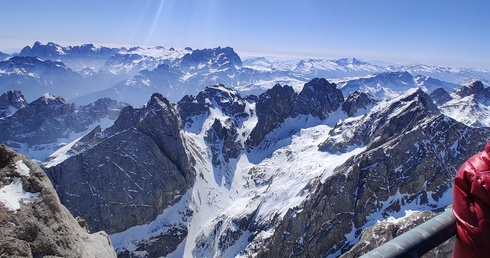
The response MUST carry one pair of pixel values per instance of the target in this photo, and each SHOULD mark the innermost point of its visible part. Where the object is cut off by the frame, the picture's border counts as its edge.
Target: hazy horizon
(443, 33)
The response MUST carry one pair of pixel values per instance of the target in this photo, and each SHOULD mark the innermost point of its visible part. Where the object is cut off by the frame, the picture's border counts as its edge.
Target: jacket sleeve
(471, 207)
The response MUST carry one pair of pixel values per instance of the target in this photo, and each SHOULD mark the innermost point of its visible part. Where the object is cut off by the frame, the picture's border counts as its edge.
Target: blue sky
(440, 32)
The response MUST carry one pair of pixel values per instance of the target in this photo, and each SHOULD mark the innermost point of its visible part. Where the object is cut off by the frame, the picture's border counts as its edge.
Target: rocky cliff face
(282, 174)
(358, 101)
(318, 98)
(143, 169)
(10, 102)
(410, 161)
(473, 88)
(470, 105)
(440, 96)
(223, 136)
(377, 126)
(33, 222)
(272, 108)
(37, 128)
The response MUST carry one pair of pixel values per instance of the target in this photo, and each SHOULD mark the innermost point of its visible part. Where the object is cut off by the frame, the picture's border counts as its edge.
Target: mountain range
(198, 153)
(83, 74)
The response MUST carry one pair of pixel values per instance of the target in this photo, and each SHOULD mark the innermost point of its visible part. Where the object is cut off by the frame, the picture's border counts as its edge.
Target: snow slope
(261, 185)
(13, 195)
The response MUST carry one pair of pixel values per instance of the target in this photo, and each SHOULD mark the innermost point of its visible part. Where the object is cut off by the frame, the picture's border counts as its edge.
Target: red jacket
(471, 206)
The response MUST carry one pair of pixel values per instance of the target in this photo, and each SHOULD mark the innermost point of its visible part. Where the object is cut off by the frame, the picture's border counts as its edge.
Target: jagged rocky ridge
(33, 222)
(269, 175)
(318, 99)
(37, 128)
(10, 102)
(410, 161)
(469, 104)
(129, 173)
(85, 73)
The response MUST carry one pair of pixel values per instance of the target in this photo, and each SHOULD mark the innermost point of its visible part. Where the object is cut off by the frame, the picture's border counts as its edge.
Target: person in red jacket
(471, 206)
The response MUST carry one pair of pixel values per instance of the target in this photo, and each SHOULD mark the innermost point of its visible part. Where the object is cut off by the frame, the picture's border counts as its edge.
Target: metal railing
(419, 240)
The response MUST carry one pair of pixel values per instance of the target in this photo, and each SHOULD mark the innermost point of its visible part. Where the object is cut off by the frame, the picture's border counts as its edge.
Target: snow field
(13, 195)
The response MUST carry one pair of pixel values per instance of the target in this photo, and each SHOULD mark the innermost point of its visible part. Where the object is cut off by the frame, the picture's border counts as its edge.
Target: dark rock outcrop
(272, 108)
(356, 101)
(33, 222)
(440, 96)
(412, 159)
(376, 127)
(473, 88)
(221, 56)
(222, 140)
(50, 119)
(143, 169)
(222, 134)
(216, 96)
(10, 102)
(317, 98)
(37, 123)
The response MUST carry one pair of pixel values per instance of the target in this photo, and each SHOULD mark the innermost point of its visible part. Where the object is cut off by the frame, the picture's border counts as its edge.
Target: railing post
(419, 240)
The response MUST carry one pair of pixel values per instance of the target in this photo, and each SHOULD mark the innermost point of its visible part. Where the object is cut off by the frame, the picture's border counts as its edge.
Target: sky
(452, 33)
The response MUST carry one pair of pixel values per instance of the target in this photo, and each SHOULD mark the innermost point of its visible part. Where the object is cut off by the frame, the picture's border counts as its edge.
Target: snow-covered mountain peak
(213, 100)
(221, 94)
(385, 119)
(222, 173)
(49, 101)
(48, 97)
(38, 49)
(469, 104)
(352, 62)
(158, 52)
(157, 101)
(473, 88)
(10, 102)
(217, 56)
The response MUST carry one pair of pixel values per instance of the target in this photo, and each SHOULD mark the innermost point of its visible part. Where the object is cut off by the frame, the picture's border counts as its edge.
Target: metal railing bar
(419, 240)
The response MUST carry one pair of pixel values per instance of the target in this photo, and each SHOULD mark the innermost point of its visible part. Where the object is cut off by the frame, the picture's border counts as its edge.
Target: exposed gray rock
(375, 127)
(48, 120)
(10, 102)
(131, 172)
(216, 96)
(411, 160)
(223, 142)
(473, 88)
(440, 96)
(356, 101)
(317, 98)
(272, 108)
(40, 225)
(221, 57)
